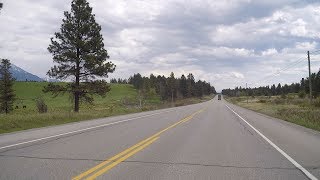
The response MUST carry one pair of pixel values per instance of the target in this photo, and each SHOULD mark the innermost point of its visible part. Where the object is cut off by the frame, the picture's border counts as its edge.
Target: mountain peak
(22, 75)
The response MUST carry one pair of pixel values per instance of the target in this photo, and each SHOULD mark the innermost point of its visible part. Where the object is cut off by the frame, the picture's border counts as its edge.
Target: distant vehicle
(219, 97)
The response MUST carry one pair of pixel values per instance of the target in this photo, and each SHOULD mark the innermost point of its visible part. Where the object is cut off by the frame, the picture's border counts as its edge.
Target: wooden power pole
(247, 92)
(310, 83)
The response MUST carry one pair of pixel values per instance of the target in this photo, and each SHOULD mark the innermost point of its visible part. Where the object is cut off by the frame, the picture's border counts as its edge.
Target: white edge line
(81, 130)
(295, 163)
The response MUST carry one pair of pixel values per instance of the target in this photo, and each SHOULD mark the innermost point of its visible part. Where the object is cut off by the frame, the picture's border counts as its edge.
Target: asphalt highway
(211, 140)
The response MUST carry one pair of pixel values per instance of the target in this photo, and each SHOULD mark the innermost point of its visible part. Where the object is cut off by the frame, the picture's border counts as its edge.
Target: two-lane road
(211, 140)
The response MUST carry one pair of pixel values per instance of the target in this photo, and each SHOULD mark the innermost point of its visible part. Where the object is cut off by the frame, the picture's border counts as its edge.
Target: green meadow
(122, 99)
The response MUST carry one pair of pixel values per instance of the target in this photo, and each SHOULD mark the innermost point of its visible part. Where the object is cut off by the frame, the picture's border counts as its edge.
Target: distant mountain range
(22, 75)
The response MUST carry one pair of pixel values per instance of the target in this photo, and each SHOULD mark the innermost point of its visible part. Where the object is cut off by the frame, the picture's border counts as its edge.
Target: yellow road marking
(111, 159)
(190, 117)
(104, 170)
(133, 148)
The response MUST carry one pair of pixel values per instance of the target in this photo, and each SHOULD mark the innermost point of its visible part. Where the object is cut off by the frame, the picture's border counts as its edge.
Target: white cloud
(283, 25)
(227, 43)
(269, 52)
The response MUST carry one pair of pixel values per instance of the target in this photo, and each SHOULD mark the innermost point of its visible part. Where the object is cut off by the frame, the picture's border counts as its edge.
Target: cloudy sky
(225, 42)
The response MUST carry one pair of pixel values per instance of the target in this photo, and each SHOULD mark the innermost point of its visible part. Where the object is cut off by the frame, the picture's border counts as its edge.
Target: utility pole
(247, 92)
(172, 98)
(310, 83)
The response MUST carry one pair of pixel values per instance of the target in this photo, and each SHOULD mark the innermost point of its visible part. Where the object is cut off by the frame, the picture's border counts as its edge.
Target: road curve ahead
(211, 140)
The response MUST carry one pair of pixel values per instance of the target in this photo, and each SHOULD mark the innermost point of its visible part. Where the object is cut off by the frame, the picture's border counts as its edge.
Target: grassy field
(289, 108)
(122, 99)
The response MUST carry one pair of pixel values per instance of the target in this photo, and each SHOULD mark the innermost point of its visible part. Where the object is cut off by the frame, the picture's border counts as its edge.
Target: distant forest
(168, 87)
(302, 88)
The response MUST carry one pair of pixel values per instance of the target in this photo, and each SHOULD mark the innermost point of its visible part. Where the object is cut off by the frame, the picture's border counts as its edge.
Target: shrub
(147, 108)
(41, 105)
(262, 101)
(302, 94)
(111, 108)
(290, 97)
(179, 104)
(278, 101)
(283, 96)
(316, 102)
(126, 101)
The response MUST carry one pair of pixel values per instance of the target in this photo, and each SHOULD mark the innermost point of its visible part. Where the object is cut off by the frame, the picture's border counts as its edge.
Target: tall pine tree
(7, 94)
(190, 85)
(79, 51)
(183, 86)
(172, 85)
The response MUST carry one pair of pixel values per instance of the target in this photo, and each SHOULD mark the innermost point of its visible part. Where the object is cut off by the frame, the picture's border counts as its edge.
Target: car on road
(219, 97)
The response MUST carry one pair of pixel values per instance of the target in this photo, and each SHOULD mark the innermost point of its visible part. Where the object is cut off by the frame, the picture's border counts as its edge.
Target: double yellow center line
(108, 164)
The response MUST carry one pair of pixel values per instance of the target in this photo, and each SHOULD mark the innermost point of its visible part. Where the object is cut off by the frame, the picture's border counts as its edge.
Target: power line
(289, 66)
(315, 51)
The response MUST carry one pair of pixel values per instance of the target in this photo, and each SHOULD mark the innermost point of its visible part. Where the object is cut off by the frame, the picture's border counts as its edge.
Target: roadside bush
(262, 101)
(316, 102)
(147, 108)
(111, 108)
(41, 105)
(179, 104)
(302, 94)
(283, 96)
(126, 101)
(278, 101)
(300, 102)
(290, 97)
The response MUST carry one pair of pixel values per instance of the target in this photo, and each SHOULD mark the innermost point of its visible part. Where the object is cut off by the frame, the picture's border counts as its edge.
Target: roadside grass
(290, 108)
(122, 99)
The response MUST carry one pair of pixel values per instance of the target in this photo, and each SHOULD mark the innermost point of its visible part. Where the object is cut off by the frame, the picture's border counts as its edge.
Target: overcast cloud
(225, 42)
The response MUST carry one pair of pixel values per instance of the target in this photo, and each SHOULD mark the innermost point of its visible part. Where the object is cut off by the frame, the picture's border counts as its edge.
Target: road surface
(211, 140)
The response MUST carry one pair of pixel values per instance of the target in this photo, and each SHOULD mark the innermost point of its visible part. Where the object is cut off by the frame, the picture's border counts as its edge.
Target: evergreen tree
(279, 89)
(153, 80)
(163, 87)
(146, 84)
(183, 86)
(79, 51)
(317, 83)
(7, 94)
(172, 85)
(113, 80)
(190, 85)
(273, 90)
(136, 81)
(199, 86)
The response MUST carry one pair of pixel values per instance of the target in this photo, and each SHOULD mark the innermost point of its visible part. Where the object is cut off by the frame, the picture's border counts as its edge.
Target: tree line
(119, 81)
(302, 88)
(171, 87)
